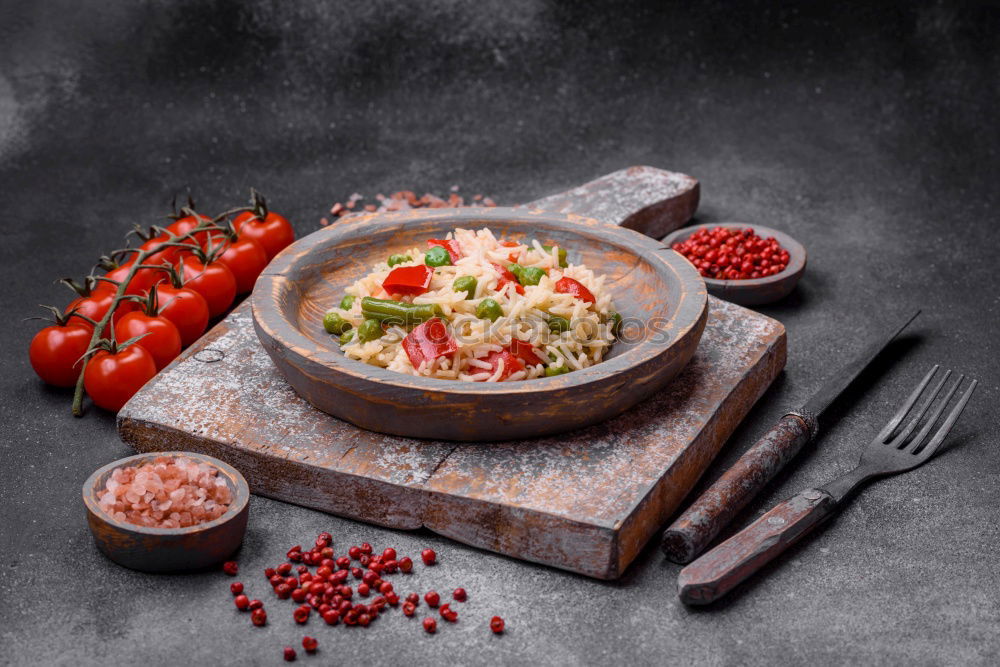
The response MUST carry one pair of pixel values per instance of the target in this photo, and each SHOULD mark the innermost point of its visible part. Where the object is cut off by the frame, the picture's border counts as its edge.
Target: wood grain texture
(659, 294)
(586, 501)
(693, 530)
(724, 567)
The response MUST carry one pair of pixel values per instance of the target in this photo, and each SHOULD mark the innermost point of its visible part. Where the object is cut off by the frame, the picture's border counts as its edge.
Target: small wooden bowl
(168, 549)
(753, 291)
(651, 284)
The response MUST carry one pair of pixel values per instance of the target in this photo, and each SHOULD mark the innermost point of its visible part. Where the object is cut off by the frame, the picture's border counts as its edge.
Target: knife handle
(721, 569)
(701, 522)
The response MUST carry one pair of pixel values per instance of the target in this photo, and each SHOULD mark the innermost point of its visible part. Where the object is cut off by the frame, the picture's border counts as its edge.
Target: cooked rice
(524, 317)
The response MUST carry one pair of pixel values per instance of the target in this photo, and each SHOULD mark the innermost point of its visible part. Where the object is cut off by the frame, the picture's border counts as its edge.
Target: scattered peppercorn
(231, 568)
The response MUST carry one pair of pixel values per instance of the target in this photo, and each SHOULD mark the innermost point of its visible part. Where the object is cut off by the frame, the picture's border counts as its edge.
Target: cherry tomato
(97, 304)
(186, 224)
(273, 233)
(140, 283)
(112, 379)
(187, 309)
(56, 350)
(162, 339)
(214, 281)
(246, 258)
(169, 255)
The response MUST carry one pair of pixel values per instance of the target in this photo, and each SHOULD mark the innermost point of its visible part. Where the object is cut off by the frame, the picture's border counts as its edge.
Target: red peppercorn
(302, 569)
(432, 598)
(413, 599)
(363, 590)
(231, 568)
(289, 654)
(256, 604)
(364, 620)
(301, 614)
(276, 580)
(392, 598)
(496, 624)
(406, 564)
(242, 602)
(284, 569)
(339, 577)
(460, 594)
(389, 554)
(294, 554)
(283, 591)
(366, 548)
(299, 594)
(269, 572)
(408, 609)
(236, 588)
(326, 552)
(346, 591)
(316, 587)
(351, 618)
(430, 625)
(369, 577)
(309, 644)
(331, 617)
(385, 587)
(258, 617)
(428, 556)
(376, 566)
(343, 562)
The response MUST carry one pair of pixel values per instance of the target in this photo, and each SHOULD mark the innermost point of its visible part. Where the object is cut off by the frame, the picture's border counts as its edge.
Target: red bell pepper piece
(451, 246)
(569, 286)
(428, 342)
(525, 352)
(511, 364)
(509, 244)
(507, 277)
(410, 280)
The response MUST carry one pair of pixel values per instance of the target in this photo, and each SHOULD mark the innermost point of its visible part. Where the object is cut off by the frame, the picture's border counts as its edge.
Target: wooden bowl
(753, 291)
(651, 283)
(168, 549)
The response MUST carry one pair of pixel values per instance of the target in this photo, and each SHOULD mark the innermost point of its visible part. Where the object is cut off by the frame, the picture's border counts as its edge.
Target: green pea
(489, 309)
(465, 284)
(557, 324)
(399, 259)
(347, 337)
(562, 254)
(346, 302)
(526, 275)
(616, 323)
(551, 371)
(369, 330)
(335, 324)
(437, 256)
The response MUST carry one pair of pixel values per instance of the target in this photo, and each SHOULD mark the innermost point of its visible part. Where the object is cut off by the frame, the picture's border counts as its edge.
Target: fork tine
(897, 419)
(919, 438)
(953, 416)
(912, 424)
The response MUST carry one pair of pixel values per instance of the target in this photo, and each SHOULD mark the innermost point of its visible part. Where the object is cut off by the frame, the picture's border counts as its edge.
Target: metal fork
(893, 451)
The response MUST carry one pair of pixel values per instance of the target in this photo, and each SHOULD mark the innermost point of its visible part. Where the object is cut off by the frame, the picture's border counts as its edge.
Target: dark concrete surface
(868, 134)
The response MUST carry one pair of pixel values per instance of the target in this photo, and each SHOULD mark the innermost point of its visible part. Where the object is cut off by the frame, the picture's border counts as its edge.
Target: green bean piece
(437, 256)
(401, 313)
(346, 302)
(489, 309)
(552, 371)
(466, 284)
(398, 259)
(616, 323)
(562, 254)
(347, 336)
(526, 275)
(335, 324)
(369, 330)
(557, 324)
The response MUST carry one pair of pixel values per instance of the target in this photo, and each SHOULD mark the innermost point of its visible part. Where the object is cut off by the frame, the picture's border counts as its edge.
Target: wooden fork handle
(719, 571)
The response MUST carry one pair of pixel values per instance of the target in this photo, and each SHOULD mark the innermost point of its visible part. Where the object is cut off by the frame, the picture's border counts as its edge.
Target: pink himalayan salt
(166, 493)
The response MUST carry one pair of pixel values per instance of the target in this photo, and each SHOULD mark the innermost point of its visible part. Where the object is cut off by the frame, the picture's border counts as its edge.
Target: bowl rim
(241, 494)
(692, 305)
(797, 255)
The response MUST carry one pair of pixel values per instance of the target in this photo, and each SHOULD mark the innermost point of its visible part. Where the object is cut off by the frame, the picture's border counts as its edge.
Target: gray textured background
(869, 134)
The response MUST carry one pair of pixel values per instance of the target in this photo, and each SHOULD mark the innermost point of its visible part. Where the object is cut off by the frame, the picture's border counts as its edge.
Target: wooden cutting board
(585, 501)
